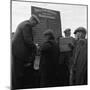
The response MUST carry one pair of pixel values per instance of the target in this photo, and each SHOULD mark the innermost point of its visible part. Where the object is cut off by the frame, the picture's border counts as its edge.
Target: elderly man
(23, 48)
(80, 58)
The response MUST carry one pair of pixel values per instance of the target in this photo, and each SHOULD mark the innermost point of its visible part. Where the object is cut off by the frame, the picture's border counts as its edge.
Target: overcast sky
(72, 16)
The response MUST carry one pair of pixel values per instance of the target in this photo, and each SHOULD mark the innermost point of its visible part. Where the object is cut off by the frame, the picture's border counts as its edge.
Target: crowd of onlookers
(60, 61)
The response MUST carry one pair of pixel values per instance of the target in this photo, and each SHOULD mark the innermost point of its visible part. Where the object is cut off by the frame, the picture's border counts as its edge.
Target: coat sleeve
(28, 37)
(27, 34)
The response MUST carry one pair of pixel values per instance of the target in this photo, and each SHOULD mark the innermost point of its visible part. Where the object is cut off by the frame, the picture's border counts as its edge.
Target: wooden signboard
(49, 19)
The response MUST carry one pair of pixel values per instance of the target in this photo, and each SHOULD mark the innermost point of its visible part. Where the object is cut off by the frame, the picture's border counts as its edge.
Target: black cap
(80, 29)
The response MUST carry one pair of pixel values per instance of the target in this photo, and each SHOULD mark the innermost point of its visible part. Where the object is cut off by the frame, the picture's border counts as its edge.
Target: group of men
(56, 67)
(75, 57)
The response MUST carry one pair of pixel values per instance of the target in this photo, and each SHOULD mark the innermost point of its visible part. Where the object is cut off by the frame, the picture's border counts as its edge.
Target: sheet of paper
(64, 44)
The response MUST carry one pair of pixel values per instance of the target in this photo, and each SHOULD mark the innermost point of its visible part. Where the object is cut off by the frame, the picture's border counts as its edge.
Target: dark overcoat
(80, 63)
(22, 48)
(22, 41)
(49, 63)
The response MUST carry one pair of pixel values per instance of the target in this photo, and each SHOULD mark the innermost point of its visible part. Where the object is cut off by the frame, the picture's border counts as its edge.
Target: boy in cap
(66, 48)
(67, 32)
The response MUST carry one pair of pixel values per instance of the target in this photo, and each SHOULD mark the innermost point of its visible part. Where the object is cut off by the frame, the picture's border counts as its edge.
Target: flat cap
(80, 29)
(67, 30)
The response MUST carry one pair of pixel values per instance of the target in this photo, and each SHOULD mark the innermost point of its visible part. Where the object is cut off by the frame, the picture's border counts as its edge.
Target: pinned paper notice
(64, 44)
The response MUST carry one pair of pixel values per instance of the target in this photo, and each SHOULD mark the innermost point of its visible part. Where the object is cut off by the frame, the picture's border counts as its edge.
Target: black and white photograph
(49, 44)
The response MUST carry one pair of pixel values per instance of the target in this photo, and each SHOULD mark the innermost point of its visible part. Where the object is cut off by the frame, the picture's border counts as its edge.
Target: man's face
(33, 22)
(67, 34)
(78, 35)
(83, 35)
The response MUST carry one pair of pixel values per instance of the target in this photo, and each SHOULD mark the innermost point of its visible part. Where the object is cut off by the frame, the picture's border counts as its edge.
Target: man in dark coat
(22, 48)
(49, 61)
(80, 59)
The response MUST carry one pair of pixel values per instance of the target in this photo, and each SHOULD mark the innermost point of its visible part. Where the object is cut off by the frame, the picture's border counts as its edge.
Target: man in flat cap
(80, 33)
(80, 58)
(23, 47)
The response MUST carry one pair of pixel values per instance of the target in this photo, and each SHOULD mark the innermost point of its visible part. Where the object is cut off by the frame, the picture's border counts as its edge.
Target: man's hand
(27, 65)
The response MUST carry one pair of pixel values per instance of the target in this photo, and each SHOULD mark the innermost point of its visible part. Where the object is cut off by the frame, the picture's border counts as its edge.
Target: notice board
(49, 19)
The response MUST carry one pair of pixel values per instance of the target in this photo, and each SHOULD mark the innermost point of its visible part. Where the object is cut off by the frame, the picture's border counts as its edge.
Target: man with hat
(23, 47)
(80, 33)
(80, 58)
